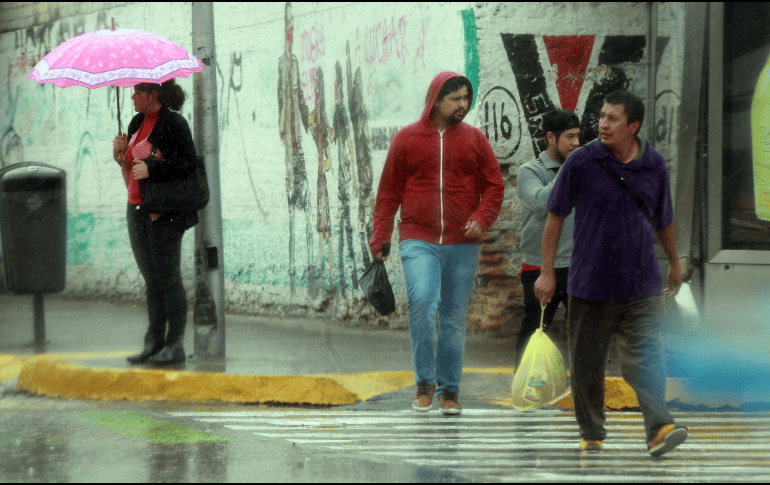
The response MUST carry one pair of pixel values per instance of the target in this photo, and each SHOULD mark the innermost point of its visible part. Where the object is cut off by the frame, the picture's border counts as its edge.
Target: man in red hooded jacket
(446, 179)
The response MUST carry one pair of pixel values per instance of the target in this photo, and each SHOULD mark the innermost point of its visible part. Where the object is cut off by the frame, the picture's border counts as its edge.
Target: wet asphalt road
(49, 440)
(44, 440)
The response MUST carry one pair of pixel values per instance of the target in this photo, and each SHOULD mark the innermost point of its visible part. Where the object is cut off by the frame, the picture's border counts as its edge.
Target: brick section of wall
(495, 305)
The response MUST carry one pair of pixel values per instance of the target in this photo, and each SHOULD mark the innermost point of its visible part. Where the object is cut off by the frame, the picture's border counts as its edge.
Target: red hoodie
(441, 181)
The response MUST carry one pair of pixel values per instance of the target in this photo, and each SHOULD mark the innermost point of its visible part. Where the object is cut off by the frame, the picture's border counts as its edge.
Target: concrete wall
(523, 58)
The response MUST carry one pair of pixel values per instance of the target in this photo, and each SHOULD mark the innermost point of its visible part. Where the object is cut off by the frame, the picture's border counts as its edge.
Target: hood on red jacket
(435, 87)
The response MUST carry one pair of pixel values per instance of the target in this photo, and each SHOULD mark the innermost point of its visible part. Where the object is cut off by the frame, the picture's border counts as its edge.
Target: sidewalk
(269, 359)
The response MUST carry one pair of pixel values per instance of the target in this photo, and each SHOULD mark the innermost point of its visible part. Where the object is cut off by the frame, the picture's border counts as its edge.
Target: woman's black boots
(171, 354)
(156, 353)
(152, 346)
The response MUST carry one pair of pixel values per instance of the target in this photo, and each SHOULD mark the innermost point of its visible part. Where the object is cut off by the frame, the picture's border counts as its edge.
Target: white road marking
(506, 445)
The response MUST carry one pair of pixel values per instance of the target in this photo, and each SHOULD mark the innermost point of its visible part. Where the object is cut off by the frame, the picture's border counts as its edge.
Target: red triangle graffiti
(571, 54)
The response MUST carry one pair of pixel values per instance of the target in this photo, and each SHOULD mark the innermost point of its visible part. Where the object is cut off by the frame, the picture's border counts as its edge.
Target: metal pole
(651, 91)
(38, 309)
(692, 78)
(209, 311)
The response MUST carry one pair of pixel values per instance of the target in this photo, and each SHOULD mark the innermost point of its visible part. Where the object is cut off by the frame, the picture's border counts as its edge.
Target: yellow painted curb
(617, 395)
(489, 370)
(369, 384)
(44, 376)
(11, 364)
(62, 379)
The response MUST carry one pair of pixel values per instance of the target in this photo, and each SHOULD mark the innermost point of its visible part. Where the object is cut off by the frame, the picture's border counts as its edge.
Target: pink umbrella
(119, 57)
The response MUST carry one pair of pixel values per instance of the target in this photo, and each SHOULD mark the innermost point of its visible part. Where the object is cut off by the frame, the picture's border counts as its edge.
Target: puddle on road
(131, 423)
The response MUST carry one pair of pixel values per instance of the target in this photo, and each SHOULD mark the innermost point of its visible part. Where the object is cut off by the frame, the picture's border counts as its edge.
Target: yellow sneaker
(667, 438)
(591, 445)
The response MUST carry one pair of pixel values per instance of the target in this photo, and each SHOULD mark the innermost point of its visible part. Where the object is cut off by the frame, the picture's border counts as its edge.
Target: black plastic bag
(376, 286)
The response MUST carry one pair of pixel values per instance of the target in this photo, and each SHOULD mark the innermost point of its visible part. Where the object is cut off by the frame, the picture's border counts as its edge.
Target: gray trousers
(636, 327)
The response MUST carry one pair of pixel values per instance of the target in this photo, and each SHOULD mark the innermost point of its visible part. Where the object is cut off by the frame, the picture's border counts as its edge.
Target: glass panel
(746, 50)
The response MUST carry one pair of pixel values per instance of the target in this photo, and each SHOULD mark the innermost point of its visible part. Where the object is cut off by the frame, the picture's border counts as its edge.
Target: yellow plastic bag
(541, 379)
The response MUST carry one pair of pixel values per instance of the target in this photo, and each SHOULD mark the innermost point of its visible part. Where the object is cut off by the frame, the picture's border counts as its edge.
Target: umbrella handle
(117, 98)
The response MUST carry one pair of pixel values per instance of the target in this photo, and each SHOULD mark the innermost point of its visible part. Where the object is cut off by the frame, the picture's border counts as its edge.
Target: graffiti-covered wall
(73, 129)
(309, 97)
(307, 113)
(571, 58)
(538, 57)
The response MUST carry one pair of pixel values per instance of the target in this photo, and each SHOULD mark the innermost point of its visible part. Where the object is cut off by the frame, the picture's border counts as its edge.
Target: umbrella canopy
(121, 57)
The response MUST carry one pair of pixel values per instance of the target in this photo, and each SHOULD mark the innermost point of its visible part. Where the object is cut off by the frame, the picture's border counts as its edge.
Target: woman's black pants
(157, 247)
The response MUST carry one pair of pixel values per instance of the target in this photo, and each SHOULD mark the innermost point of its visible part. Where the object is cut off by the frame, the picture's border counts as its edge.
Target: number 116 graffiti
(501, 121)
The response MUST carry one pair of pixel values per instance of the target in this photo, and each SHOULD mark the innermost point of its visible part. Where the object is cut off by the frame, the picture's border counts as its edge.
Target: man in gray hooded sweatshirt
(535, 180)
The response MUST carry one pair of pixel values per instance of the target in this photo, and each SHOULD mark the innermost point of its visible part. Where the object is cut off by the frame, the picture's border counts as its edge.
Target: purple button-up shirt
(614, 255)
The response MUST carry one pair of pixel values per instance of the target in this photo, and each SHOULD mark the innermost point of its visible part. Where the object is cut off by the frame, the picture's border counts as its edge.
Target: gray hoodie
(535, 180)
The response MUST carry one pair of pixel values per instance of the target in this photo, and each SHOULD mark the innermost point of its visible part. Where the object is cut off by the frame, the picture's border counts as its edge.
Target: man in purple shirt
(614, 281)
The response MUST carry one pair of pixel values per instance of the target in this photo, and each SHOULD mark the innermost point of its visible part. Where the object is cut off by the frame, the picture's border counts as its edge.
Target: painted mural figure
(319, 127)
(11, 148)
(291, 109)
(363, 159)
(341, 135)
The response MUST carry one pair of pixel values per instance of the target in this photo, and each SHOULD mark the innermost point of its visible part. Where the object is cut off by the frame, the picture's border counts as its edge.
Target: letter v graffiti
(571, 55)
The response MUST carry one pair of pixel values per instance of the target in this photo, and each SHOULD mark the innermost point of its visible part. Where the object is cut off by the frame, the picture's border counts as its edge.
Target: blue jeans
(438, 276)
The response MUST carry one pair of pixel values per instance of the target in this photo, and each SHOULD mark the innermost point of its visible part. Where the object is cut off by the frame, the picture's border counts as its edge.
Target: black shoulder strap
(603, 163)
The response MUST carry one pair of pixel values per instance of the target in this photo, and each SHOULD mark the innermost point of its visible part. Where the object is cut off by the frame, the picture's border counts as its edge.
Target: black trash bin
(33, 226)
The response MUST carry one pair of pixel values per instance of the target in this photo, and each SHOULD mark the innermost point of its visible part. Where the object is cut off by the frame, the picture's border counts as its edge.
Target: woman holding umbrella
(147, 62)
(156, 239)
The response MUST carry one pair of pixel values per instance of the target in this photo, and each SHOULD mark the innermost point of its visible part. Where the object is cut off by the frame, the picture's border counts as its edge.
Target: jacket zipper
(441, 183)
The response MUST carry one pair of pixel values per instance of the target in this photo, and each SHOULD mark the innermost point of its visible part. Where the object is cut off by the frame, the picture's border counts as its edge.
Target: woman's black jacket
(171, 135)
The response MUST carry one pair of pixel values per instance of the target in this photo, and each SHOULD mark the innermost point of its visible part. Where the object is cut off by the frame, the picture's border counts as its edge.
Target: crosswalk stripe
(466, 412)
(420, 419)
(643, 460)
(252, 417)
(507, 445)
(542, 436)
(734, 470)
(620, 429)
(576, 477)
(402, 412)
(608, 454)
(482, 437)
(571, 444)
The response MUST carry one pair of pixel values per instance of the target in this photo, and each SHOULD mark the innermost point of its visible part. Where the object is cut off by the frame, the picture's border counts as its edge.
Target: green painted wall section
(254, 253)
(471, 50)
(99, 240)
